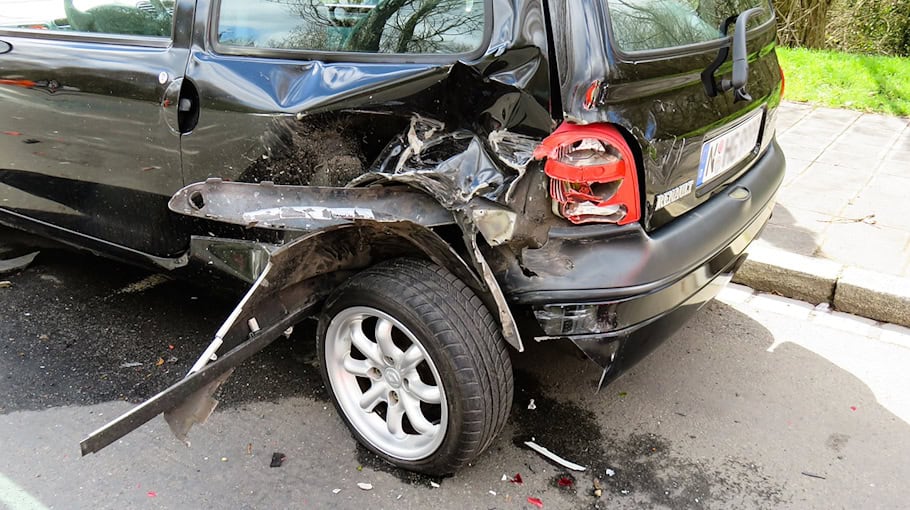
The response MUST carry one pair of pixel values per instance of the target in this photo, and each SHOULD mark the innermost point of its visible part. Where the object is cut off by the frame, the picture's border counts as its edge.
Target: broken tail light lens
(593, 177)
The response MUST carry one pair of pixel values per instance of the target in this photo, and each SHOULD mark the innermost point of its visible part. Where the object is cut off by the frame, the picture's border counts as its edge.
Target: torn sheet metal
(510, 330)
(305, 208)
(297, 276)
(295, 279)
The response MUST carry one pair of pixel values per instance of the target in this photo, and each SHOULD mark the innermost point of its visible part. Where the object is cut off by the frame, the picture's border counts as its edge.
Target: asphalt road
(759, 403)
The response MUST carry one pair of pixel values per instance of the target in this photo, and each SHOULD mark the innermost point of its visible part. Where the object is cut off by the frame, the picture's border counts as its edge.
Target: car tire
(416, 365)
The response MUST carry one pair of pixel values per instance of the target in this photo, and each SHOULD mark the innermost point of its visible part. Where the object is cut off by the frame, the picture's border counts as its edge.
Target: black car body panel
(127, 145)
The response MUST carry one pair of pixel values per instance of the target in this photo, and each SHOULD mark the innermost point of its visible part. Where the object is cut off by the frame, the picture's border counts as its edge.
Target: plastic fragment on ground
(555, 458)
(532, 406)
(365, 486)
(17, 263)
(517, 479)
(610, 472)
(434, 485)
(336, 491)
(131, 364)
(565, 481)
(278, 459)
(536, 502)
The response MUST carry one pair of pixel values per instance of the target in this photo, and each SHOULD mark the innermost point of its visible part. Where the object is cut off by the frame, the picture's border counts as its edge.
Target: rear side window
(642, 25)
(153, 18)
(365, 26)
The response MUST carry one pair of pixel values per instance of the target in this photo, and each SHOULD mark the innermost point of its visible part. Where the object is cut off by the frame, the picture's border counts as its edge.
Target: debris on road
(151, 494)
(492, 493)
(555, 458)
(505, 477)
(565, 482)
(17, 264)
(853, 408)
(278, 459)
(517, 479)
(144, 284)
(5, 284)
(610, 472)
(598, 489)
(130, 364)
(434, 485)
(224, 459)
(249, 448)
(172, 360)
(336, 491)
(365, 486)
(159, 362)
(532, 406)
(813, 475)
(536, 502)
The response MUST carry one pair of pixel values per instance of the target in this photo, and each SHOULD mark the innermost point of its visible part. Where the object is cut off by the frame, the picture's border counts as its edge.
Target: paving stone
(893, 167)
(824, 188)
(791, 239)
(878, 296)
(886, 197)
(795, 167)
(791, 216)
(874, 247)
(790, 113)
(834, 116)
(879, 126)
(861, 159)
(851, 142)
(804, 148)
(903, 141)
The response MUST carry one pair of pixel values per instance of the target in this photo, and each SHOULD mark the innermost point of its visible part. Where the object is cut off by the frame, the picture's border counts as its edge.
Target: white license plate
(725, 151)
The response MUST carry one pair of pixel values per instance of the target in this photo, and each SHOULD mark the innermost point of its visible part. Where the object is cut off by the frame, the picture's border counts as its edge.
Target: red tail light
(782, 82)
(593, 178)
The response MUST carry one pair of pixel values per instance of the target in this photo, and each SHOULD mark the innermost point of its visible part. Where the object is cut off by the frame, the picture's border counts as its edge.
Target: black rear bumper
(619, 294)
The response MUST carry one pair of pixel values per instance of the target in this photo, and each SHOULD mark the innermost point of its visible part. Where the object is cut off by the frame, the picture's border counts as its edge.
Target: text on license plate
(725, 151)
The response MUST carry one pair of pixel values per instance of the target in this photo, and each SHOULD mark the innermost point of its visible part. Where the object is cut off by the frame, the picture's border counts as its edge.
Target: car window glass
(120, 17)
(369, 26)
(656, 24)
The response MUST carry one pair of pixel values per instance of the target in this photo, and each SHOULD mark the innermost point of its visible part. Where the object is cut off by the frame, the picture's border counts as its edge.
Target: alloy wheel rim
(385, 383)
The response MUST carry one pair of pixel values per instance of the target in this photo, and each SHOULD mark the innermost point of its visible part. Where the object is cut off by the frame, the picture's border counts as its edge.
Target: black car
(438, 181)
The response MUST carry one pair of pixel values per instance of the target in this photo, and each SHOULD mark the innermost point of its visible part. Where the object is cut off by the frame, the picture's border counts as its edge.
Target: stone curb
(877, 296)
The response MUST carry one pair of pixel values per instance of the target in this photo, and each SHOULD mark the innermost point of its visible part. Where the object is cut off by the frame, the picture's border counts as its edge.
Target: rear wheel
(416, 365)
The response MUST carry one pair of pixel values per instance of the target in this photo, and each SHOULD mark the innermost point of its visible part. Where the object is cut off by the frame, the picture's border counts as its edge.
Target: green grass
(843, 80)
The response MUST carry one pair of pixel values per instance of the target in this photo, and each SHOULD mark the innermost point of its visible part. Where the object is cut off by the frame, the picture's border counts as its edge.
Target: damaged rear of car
(439, 181)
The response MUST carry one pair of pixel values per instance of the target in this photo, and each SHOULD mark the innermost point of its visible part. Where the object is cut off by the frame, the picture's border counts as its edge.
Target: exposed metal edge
(178, 392)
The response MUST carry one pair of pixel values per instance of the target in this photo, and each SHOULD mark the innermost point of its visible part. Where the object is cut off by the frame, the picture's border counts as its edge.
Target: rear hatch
(659, 70)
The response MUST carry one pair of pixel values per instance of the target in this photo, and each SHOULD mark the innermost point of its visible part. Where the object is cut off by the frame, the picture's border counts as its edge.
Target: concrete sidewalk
(841, 229)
